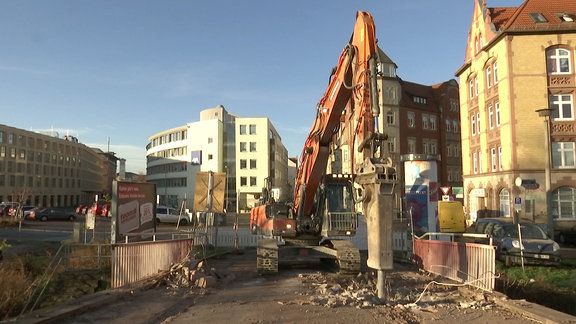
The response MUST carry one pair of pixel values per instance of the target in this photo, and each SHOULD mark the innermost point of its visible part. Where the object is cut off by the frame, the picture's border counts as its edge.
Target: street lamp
(545, 112)
(226, 189)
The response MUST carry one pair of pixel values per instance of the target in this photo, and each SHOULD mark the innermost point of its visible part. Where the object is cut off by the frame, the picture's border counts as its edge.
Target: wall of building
(217, 136)
(522, 88)
(46, 170)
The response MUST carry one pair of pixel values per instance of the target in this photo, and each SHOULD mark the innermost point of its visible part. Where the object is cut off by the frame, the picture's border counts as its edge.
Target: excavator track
(348, 256)
(267, 256)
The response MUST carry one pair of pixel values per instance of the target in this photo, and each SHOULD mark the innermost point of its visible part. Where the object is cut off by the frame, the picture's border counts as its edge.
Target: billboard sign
(133, 208)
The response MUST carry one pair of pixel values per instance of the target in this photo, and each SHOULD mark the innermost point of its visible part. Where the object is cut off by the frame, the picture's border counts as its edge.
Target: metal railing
(135, 261)
(469, 263)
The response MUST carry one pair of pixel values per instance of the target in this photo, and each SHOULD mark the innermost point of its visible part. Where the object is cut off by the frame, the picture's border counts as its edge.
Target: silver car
(169, 215)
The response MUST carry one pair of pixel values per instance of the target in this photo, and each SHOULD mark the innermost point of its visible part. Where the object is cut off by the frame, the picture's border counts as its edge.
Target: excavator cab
(339, 216)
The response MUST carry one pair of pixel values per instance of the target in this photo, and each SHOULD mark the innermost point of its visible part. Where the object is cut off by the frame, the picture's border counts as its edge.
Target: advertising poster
(133, 205)
(421, 194)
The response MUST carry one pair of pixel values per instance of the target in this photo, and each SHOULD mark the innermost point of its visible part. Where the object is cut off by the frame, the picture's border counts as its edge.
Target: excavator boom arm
(350, 86)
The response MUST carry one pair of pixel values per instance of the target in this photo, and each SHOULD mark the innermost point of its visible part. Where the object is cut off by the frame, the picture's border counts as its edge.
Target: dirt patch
(305, 293)
(297, 294)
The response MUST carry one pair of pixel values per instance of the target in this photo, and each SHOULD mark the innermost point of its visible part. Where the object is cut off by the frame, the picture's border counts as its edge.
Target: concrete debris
(402, 292)
(190, 273)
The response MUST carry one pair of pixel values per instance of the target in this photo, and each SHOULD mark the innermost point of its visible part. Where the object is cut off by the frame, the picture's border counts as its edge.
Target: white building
(260, 157)
(248, 150)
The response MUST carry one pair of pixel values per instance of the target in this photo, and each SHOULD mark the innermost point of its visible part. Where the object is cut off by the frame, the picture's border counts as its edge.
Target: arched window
(504, 202)
(564, 203)
(558, 61)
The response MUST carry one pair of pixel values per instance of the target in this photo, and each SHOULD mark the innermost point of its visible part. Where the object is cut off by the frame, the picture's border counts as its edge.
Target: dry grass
(89, 256)
(18, 276)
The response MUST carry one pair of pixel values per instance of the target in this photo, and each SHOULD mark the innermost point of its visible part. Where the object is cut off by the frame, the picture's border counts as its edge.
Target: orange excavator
(323, 216)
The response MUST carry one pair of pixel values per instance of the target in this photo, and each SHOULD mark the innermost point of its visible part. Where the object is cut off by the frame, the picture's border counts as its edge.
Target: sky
(113, 73)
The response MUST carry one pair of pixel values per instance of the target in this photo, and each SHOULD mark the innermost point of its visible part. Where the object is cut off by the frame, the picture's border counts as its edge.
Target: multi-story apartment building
(248, 150)
(45, 170)
(519, 66)
(422, 122)
(261, 158)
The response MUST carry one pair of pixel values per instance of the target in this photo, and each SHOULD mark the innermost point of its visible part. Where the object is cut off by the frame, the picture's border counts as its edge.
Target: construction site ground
(232, 291)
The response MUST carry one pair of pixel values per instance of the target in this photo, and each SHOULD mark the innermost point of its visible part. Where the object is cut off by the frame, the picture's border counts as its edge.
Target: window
(390, 120)
(391, 143)
(243, 181)
(561, 106)
(471, 88)
(563, 154)
(489, 77)
(210, 140)
(558, 61)
(433, 122)
(252, 181)
(242, 146)
(480, 168)
(475, 162)
(243, 164)
(500, 158)
(252, 146)
(494, 159)
(210, 157)
(430, 146)
(10, 138)
(252, 164)
(448, 126)
(476, 86)
(504, 203)
(567, 17)
(1, 137)
(411, 145)
(242, 129)
(420, 100)
(478, 123)
(454, 105)
(411, 119)
(497, 113)
(564, 203)
(425, 121)
(252, 129)
(455, 126)
(491, 117)
(473, 124)
(390, 94)
(538, 17)
(495, 72)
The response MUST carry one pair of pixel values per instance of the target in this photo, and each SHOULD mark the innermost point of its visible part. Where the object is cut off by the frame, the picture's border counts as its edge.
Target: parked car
(106, 210)
(567, 236)
(52, 213)
(25, 211)
(6, 206)
(165, 214)
(100, 208)
(82, 208)
(538, 248)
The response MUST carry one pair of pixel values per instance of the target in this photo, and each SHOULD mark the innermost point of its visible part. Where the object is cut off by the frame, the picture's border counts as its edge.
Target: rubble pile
(189, 273)
(403, 291)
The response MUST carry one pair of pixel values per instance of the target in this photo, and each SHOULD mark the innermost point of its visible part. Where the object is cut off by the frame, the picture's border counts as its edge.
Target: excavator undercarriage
(342, 253)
